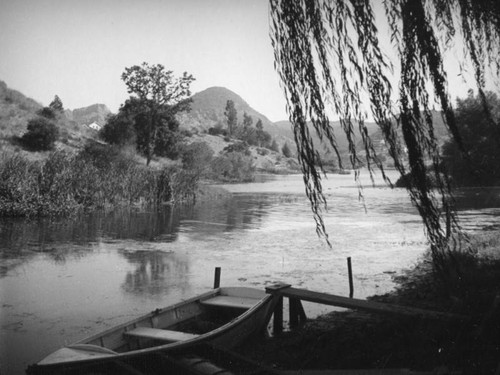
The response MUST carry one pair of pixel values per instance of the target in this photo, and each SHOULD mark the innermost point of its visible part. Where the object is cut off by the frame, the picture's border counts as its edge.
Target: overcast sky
(77, 49)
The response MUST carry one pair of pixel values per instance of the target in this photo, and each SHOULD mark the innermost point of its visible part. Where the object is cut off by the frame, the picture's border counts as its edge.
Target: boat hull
(248, 310)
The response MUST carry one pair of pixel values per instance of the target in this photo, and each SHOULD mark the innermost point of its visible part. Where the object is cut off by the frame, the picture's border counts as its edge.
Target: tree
(231, 116)
(47, 113)
(159, 94)
(196, 157)
(263, 137)
(274, 146)
(119, 129)
(247, 120)
(286, 151)
(480, 165)
(41, 134)
(129, 126)
(328, 53)
(56, 104)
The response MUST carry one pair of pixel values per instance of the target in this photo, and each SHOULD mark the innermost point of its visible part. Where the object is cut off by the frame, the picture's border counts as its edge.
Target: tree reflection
(70, 238)
(155, 272)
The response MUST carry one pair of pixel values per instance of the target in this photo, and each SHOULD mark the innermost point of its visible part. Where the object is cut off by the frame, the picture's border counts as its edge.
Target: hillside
(374, 132)
(16, 110)
(326, 152)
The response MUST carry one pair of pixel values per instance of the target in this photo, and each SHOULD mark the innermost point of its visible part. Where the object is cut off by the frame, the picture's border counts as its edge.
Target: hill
(207, 110)
(16, 110)
(84, 116)
(374, 132)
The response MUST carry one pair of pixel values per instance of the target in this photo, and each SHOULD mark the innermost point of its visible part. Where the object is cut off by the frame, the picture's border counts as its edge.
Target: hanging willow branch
(329, 59)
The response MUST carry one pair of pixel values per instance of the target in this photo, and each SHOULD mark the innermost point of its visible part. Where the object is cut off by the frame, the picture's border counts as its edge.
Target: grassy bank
(357, 340)
(97, 177)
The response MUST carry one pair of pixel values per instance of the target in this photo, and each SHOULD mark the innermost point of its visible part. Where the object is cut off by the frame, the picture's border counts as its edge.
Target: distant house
(94, 126)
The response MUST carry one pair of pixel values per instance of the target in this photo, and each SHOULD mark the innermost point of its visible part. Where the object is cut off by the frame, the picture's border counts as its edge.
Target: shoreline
(355, 339)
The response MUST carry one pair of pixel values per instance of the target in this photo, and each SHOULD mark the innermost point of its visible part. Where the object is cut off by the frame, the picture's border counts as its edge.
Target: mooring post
(278, 317)
(217, 278)
(349, 269)
(294, 312)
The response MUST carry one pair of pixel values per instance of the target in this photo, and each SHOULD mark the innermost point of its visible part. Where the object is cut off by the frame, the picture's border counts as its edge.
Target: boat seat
(159, 334)
(231, 301)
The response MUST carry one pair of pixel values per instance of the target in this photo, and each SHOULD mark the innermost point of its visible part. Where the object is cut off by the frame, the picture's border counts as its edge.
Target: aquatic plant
(65, 183)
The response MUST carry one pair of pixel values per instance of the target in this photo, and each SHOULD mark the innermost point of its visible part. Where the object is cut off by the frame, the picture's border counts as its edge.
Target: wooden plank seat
(160, 334)
(231, 301)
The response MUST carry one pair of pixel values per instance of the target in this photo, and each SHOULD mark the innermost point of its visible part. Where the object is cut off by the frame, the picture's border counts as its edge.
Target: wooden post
(294, 312)
(297, 313)
(349, 269)
(278, 317)
(217, 278)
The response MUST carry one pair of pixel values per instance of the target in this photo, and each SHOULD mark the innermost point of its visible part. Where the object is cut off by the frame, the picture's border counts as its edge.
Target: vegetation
(329, 52)
(480, 164)
(41, 135)
(129, 127)
(362, 340)
(159, 96)
(233, 167)
(57, 105)
(231, 116)
(98, 177)
(286, 150)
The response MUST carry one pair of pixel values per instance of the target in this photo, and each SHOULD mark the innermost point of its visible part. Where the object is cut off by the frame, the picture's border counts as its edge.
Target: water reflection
(70, 238)
(155, 272)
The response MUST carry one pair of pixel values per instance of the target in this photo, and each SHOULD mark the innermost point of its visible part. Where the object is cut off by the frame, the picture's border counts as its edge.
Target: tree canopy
(480, 165)
(329, 58)
(161, 96)
(56, 104)
(231, 116)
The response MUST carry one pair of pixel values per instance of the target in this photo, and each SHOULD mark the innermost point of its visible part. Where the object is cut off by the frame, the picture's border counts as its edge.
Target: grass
(356, 340)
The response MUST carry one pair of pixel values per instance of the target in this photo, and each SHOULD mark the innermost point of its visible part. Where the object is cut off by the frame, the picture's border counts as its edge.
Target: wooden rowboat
(224, 317)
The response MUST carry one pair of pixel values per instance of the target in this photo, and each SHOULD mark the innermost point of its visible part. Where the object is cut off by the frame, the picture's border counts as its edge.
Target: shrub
(262, 151)
(217, 130)
(233, 166)
(286, 151)
(47, 112)
(240, 147)
(196, 157)
(41, 135)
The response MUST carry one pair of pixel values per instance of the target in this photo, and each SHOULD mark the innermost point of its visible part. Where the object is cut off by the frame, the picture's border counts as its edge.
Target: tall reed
(99, 177)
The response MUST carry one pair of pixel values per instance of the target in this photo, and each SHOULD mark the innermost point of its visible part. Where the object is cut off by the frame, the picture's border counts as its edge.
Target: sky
(79, 49)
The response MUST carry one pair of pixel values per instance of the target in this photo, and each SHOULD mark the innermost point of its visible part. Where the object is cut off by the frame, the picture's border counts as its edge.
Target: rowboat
(224, 317)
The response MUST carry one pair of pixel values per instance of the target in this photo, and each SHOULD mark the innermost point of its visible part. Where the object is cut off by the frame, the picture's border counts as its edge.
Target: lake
(63, 280)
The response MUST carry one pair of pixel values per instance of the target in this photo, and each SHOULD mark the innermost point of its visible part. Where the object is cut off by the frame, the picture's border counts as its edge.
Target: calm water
(61, 281)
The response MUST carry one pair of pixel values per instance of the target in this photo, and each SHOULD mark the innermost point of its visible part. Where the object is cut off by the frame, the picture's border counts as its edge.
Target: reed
(94, 179)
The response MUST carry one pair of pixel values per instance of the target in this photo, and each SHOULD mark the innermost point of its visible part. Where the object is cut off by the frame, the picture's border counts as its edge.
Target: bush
(119, 130)
(196, 157)
(234, 167)
(47, 112)
(240, 147)
(262, 151)
(217, 130)
(41, 135)
(286, 151)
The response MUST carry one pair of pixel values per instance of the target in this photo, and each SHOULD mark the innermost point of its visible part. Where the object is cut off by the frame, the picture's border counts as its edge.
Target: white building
(94, 126)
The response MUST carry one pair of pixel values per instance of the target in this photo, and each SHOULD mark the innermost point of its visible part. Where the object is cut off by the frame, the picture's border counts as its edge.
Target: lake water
(61, 281)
